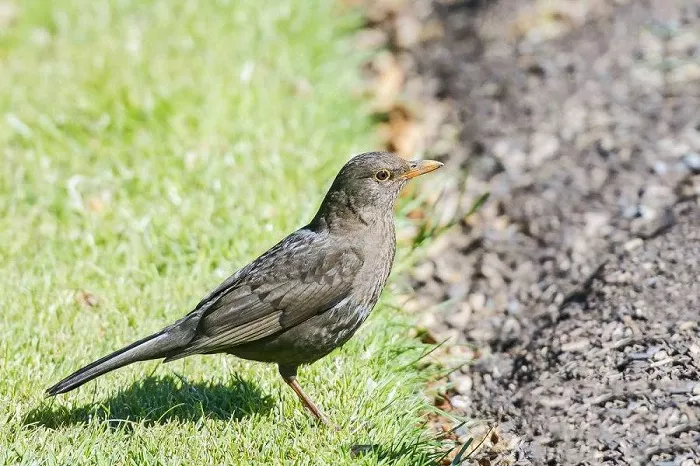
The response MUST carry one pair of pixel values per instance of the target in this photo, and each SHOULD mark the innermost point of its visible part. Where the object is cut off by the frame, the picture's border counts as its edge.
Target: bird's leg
(310, 405)
(289, 374)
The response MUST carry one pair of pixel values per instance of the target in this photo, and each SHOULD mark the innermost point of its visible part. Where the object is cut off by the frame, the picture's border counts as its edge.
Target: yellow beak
(421, 167)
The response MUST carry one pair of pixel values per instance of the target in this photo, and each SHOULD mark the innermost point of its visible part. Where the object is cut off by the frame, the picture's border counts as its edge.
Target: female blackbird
(301, 299)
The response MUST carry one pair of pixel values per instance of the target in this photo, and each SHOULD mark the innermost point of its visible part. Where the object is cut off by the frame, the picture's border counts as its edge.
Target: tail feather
(154, 346)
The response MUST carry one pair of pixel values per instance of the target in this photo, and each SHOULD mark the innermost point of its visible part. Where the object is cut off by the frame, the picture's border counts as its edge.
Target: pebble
(424, 271)
(427, 320)
(408, 31)
(463, 384)
(461, 403)
(371, 39)
(513, 307)
(595, 222)
(420, 304)
(692, 161)
(576, 346)
(457, 290)
(460, 318)
(633, 244)
(630, 211)
(511, 328)
(477, 301)
(660, 168)
(544, 147)
(687, 325)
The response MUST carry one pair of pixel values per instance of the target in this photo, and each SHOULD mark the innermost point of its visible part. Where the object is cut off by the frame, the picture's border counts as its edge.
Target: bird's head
(367, 186)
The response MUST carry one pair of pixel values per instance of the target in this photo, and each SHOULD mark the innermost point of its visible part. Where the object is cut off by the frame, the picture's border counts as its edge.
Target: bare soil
(576, 289)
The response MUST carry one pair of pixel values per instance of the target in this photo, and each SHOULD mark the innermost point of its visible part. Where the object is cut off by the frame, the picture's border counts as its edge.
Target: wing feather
(304, 275)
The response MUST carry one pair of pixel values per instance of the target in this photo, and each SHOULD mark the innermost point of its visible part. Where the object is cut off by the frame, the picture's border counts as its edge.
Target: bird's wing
(303, 275)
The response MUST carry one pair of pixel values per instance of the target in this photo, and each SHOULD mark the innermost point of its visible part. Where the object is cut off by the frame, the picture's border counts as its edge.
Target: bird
(305, 296)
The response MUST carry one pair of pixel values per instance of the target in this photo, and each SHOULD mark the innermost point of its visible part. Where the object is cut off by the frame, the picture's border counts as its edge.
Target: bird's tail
(155, 346)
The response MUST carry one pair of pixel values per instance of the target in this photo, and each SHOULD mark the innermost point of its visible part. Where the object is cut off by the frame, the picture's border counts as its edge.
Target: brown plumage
(301, 299)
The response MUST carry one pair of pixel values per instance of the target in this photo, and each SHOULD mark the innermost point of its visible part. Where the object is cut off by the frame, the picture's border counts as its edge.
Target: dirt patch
(575, 289)
(615, 376)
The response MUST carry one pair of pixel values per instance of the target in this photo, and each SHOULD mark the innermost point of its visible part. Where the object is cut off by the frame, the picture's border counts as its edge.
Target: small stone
(633, 244)
(617, 276)
(674, 417)
(630, 211)
(672, 147)
(660, 355)
(477, 301)
(371, 39)
(511, 328)
(424, 271)
(419, 304)
(463, 384)
(660, 168)
(432, 30)
(692, 161)
(457, 290)
(461, 403)
(544, 147)
(460, 318)
(427, 320)
(684, 75)
(596, 223)
(408, 31)
(513, 307)
(576, 346)
(687, 325)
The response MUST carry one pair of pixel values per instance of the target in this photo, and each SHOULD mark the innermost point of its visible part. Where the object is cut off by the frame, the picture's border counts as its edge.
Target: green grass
(148, 150)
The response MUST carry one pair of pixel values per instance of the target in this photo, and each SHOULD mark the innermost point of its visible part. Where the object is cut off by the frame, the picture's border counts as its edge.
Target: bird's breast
(317, 336)
(379, 248)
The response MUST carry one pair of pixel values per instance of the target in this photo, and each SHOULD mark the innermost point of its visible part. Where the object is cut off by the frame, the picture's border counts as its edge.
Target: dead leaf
(416, 214)
(405, 132)
(86, 299)
(99, 202)
(378, 11)
(95, 204)
(433, 30)
(427, 337)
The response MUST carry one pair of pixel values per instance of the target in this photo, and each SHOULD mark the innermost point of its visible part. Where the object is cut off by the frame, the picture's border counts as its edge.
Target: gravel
(576, 286)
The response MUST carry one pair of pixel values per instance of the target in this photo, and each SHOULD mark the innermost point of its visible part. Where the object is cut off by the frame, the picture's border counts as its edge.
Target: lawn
(149, 149)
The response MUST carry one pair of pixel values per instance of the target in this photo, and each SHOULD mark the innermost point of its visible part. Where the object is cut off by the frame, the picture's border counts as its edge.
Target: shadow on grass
(420, 447)
(159, 400)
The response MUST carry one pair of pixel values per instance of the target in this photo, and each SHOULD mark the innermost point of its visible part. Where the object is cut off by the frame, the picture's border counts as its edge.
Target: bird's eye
(382, 175)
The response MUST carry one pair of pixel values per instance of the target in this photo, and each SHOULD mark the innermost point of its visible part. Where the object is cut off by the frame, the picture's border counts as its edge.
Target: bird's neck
(338, 213)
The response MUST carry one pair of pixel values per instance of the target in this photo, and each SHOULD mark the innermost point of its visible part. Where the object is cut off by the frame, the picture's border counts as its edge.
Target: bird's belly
(309, 340)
